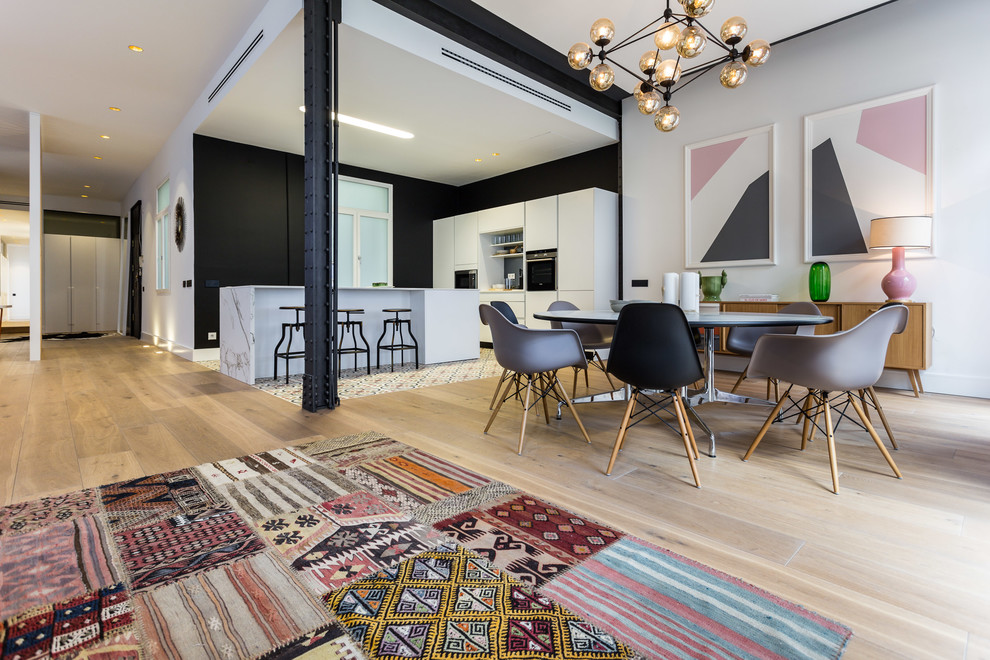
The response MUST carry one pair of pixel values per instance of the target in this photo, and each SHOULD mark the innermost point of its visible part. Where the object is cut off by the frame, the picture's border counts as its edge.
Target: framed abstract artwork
(861, 162)
(728, 200)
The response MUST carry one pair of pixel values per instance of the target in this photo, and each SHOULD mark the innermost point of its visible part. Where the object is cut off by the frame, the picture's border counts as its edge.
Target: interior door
(135, 288)
(20, 282)
(58, 279)
(107, 284)
(83, 286)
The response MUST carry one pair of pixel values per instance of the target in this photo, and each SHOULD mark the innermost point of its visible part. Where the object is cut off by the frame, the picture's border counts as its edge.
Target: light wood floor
(905, 563)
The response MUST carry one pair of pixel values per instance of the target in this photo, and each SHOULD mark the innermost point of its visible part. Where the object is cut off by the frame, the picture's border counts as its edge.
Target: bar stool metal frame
(288, 353)
(402, 346)
(355, 329)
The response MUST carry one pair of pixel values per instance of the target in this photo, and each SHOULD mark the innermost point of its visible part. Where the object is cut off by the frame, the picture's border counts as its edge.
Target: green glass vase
(820, 281)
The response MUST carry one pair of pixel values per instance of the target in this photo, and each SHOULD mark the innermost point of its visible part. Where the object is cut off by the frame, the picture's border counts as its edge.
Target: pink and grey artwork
(729, 210)
(866, 161)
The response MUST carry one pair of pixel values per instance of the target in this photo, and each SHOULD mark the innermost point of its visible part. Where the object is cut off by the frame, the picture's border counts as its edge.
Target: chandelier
(661, 74)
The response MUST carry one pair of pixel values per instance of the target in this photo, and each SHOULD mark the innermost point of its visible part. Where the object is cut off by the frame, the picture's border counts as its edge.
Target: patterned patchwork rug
(363, 547)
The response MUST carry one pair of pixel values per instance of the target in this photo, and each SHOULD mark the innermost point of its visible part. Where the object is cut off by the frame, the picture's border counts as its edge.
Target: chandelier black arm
(696, 72)
(635, 75)
(635, 36)
(716, 40)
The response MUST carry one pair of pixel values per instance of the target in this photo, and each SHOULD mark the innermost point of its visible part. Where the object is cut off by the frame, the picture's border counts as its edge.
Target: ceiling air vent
(505, 79)
(240, 60)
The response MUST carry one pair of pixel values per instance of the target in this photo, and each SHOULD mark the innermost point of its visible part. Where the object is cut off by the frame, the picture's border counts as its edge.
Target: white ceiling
(72, 63)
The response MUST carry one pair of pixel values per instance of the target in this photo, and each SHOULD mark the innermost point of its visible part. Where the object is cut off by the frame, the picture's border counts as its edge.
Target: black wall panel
(592, 169)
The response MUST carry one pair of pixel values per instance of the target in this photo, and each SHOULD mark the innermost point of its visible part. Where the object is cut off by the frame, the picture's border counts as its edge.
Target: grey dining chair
(503, 308)
(533, 357)
(594, 338)
(742, 340)
(829, 366)
(653, 351)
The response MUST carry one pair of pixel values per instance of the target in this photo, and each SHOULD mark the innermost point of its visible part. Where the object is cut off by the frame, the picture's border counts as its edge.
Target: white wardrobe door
(83, 284)
(107, 283)
(58, 279)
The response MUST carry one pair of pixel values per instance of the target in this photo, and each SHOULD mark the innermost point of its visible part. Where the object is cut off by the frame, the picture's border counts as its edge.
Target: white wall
(875, 55)
(168, 317)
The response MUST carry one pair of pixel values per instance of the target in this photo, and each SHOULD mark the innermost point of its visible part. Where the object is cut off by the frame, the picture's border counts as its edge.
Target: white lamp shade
(906, 231)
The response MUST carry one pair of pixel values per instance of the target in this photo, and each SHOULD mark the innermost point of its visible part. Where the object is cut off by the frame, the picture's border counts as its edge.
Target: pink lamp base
(898, 284)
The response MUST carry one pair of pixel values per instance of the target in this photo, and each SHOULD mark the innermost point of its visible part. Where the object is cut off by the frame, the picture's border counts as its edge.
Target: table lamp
(900, 233)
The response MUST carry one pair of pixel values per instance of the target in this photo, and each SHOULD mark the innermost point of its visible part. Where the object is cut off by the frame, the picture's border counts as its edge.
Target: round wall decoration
(180, 223)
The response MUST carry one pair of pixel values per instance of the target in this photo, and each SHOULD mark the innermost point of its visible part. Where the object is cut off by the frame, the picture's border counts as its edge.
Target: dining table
(708, 321)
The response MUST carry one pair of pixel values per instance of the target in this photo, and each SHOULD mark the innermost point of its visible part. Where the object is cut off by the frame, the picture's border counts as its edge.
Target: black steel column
(320, 380)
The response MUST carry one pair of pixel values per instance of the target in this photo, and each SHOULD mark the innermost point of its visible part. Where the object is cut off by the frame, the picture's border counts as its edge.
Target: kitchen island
(444, 321)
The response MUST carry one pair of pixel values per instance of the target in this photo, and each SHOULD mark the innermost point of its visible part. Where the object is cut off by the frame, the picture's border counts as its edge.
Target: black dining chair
(653, 351)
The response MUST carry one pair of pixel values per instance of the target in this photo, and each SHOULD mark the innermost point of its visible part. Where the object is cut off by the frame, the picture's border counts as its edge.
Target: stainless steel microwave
(541, 270)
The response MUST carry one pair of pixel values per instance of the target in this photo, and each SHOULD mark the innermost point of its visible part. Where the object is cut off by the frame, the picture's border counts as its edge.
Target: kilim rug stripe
(363, 548)
(674, 607)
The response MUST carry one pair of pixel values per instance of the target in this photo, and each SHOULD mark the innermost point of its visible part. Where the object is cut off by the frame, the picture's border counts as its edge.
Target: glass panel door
(375, 250)
(345, 250)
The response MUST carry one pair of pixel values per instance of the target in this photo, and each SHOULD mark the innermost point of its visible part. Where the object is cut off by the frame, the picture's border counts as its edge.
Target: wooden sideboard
(910, 351)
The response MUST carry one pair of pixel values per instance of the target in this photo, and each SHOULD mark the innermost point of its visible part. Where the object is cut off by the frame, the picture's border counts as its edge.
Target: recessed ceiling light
(302, 108)
(136, 49)
(495, 153)
(477, 160)
(86, 185)
(115, 108)
(98, 157)
(105, 137)
(84, 195)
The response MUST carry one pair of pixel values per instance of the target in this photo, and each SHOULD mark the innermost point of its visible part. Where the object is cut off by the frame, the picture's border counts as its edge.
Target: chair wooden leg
(505, 373)
(876, 438)
(570, 406)
(776, 390)
(830, 436)
(766, 425)
(821, 399)
(682, 422)
(768, 389)
(687, 423)
(611, 383)
(739, 380)
(522, 427)
(574, 386)
(808, 428)
(620, 438)
(883, 418)
(544, 388)
(505, 395)
(862, 397)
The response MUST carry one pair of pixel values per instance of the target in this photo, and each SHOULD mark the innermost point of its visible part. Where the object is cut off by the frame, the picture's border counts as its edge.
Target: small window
(162, 237)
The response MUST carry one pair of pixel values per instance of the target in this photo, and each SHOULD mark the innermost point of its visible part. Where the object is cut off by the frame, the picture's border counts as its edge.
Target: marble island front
(444, 321)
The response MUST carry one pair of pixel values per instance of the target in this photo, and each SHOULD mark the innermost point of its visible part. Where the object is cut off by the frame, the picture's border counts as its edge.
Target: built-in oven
(541, 270)
(465, 279)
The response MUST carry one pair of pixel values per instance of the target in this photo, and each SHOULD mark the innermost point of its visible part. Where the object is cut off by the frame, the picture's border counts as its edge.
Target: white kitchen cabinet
(538, 301)
(466, 240)
(587, 249)
(502, 218)
(443, 253)
(582, 299)
(541, 223)
(82, 283)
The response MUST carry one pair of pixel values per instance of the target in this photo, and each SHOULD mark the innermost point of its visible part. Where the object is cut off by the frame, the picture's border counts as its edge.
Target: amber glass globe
(692, 41)
(733, 30)
(733, 74)
(579, 56)
(602, 77)
(667, 36)
(697, 8)
(667, 118)
(648, 62)
(602, 32)
(668, 73)
(649, 102)
(757, 52)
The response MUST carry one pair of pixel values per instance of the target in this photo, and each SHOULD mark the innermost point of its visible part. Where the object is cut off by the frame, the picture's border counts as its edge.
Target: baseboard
(172, 347)
(204, 354)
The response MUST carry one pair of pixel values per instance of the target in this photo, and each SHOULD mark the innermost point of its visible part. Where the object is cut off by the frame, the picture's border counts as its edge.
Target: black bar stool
(401, 346)
(355, 329)
(288, 330)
